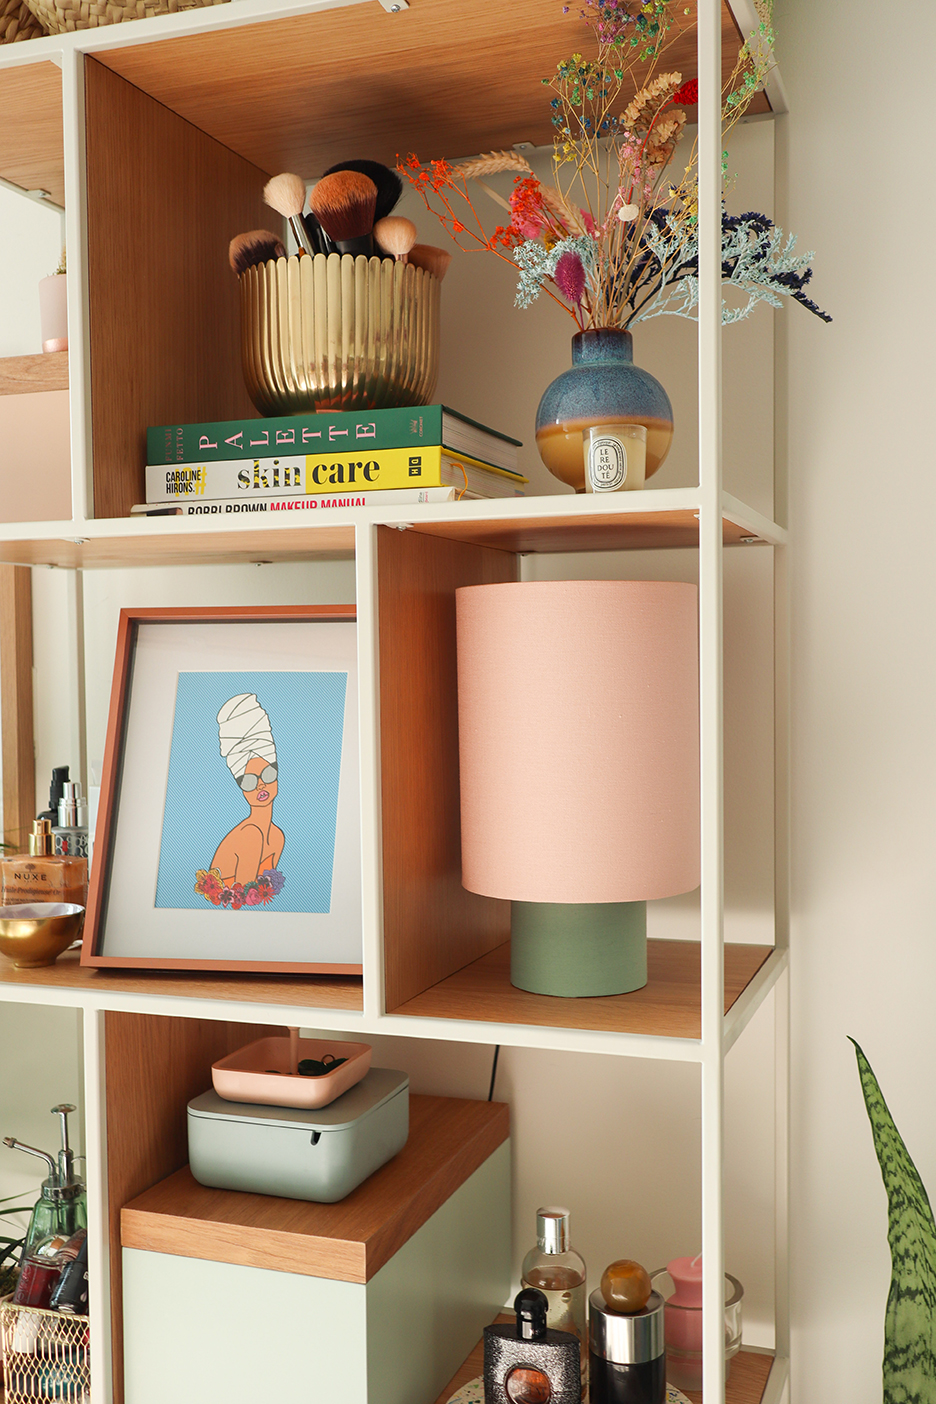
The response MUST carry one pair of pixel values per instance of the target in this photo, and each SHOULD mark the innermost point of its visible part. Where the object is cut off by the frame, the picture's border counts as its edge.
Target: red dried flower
(688, 94)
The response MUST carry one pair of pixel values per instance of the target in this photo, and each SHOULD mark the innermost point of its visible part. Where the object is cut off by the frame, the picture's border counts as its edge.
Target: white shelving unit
(705, 515)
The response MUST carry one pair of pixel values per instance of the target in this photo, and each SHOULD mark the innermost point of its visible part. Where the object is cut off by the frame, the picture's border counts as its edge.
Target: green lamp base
(576, 949)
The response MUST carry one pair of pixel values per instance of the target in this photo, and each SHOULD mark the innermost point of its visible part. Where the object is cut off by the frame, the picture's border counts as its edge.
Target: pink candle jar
(680, 1285)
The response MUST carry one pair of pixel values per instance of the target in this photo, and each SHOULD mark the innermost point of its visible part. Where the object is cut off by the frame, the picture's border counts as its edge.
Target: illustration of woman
(244, 868)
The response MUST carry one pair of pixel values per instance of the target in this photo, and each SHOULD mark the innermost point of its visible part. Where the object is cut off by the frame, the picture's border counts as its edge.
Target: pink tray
(244, 1076)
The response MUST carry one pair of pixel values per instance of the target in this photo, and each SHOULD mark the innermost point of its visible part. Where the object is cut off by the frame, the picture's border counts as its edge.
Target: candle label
(607, 465)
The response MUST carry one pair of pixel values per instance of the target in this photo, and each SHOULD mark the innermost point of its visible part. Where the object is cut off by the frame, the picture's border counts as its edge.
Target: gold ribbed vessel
(339, 332)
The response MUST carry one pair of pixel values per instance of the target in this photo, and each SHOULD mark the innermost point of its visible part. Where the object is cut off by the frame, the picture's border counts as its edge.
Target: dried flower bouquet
(615, 239)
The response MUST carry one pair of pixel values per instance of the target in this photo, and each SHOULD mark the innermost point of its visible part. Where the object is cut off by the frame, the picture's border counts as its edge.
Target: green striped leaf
(910, 1322)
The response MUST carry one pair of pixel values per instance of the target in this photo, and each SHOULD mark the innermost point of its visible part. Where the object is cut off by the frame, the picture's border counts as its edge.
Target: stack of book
(313, 461)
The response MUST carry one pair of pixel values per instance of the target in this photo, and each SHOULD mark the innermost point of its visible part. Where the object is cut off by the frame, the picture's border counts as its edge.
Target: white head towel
(244, 731)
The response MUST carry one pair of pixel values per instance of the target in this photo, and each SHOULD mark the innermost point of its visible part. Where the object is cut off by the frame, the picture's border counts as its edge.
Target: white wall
(864, 688)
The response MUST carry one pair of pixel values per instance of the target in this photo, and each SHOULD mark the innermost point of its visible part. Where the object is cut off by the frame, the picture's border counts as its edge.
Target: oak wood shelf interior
(746, 1385)
(349, 1241)
(26, 375)
(668, 1006)
(409, 64)
(32, 148)
(170, 541)
(308, 992)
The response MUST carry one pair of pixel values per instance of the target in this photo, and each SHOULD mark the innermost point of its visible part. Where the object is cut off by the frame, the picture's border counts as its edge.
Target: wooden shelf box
(374, 1300)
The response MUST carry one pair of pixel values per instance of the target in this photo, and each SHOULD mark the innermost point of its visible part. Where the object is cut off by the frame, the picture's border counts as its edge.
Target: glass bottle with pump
(62, 1207)
(554, 1268)
(41, 875)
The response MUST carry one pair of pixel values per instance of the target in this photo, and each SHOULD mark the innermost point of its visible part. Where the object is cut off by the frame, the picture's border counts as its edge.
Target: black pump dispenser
(56, 791)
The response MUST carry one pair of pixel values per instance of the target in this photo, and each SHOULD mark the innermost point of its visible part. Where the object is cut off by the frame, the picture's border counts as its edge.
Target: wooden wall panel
(432, 926)
(154, 1066)
(164, 201)
(16, 705)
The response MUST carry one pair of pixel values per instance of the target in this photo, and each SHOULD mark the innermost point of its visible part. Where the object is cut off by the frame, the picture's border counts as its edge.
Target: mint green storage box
(320, 1155)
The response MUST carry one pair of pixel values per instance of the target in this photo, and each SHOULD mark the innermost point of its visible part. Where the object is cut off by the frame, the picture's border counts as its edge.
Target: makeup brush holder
(339, 332)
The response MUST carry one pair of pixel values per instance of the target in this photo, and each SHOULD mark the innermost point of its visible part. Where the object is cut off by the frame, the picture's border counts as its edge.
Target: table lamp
(578, 716)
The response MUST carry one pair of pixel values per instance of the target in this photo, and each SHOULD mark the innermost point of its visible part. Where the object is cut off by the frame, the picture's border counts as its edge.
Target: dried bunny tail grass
(566, 213)
(646, 103)
(490, 163)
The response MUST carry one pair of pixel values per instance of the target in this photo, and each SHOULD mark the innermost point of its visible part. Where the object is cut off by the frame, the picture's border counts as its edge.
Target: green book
(326, 432)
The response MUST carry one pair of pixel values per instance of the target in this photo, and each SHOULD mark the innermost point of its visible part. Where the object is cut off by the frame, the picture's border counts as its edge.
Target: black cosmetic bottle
(526, 1363)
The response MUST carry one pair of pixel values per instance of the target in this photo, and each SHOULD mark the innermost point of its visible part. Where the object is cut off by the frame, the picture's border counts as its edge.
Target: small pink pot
(259, 1072)
(53, 312)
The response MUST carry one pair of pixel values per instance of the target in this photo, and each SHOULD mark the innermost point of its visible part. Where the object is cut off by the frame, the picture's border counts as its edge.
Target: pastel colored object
(684, 1328)
(579, 739)
(243, 1077)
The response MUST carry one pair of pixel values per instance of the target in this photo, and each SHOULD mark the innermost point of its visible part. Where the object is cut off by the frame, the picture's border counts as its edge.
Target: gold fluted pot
(339, 332)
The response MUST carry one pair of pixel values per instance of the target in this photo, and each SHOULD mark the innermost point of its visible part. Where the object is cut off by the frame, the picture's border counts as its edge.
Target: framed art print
(228, 834)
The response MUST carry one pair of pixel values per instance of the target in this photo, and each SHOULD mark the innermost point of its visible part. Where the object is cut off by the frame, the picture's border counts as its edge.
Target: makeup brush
(343, 204)
(246, 250)
(435, 261)
(317, 236)
(388, 183)
(286, 194)
(395, 235)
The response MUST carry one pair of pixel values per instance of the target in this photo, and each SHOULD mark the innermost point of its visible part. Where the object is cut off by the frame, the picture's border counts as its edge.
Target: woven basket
(60, 16)
(18, 22)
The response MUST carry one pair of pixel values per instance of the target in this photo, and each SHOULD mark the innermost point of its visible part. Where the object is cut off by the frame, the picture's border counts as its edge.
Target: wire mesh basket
(46, 1355)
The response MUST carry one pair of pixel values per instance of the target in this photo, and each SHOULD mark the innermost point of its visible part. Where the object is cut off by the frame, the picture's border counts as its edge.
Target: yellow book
(402, 468)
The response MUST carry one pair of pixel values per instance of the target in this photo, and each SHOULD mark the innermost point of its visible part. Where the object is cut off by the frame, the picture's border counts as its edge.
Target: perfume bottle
(628, 1353)
(554, 1268)
(526, 1362)
(70, 834)
(42, 876)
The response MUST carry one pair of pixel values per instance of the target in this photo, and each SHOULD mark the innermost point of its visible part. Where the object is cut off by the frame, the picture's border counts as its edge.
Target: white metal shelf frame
(714, 1043)
(719, 1032)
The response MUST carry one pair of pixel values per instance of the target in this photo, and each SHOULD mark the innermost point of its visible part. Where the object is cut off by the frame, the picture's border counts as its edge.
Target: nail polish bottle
(70, 834)
(526, 1362)
(42, 876)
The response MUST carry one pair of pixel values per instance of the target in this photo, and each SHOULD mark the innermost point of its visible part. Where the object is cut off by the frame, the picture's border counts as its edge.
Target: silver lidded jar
(627, 1353)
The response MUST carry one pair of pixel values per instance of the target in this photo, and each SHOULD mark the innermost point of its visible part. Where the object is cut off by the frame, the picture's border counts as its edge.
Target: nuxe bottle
(41, 875)
(554, 1268)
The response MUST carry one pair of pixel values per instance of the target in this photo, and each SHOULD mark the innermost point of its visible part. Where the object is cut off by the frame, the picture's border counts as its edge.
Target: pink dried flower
(570, 277)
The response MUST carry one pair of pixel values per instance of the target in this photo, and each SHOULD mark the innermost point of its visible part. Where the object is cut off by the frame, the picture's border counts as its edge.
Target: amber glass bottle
(43, 876)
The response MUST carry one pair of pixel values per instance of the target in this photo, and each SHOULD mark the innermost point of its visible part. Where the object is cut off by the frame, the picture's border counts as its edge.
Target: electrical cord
(494, 1071)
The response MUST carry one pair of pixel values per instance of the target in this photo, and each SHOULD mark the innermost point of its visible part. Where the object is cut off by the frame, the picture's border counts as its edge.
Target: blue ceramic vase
(603, 386)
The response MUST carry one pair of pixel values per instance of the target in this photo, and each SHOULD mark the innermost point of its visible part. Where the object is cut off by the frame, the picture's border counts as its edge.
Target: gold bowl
(338, 332)
(36, 933)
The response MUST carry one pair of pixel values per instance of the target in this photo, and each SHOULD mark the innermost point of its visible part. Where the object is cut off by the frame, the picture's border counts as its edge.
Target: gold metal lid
(41, 843)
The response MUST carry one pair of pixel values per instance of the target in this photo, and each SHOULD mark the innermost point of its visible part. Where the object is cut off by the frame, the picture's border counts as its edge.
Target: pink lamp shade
(578, 713)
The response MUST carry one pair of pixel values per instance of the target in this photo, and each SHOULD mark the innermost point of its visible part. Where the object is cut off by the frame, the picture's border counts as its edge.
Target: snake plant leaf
(910, 1320)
